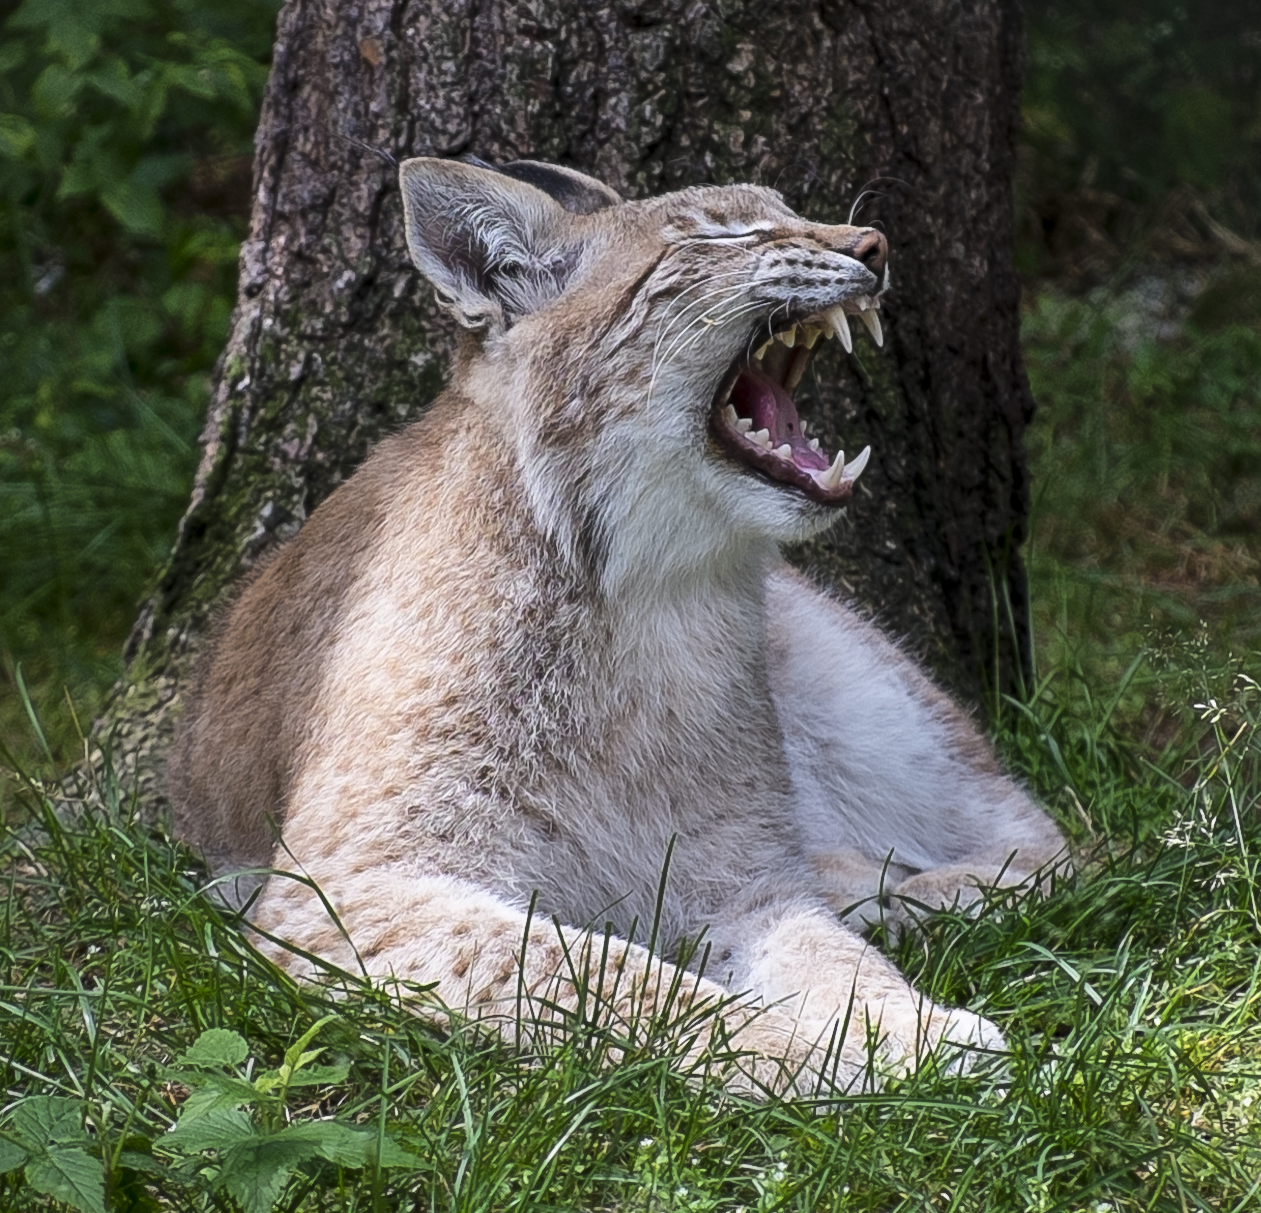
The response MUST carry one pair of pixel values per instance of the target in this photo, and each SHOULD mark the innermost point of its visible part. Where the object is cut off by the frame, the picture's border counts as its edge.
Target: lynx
(544, 638)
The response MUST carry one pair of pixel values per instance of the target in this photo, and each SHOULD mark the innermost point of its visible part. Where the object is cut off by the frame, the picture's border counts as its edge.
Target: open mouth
(754, 417)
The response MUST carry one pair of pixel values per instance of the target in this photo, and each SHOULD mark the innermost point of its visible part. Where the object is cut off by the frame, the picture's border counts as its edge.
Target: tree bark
(336, 340)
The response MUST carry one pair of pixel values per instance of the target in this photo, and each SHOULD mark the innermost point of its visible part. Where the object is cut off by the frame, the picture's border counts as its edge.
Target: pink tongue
(757, 396)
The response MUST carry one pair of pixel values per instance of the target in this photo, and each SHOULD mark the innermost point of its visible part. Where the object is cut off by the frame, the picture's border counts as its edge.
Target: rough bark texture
(336, 341)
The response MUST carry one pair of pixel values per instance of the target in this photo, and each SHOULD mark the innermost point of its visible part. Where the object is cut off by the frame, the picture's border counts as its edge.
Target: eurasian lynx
(546, 633)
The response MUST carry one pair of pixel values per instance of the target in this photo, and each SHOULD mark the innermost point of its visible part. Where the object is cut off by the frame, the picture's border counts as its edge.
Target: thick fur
(545, 634)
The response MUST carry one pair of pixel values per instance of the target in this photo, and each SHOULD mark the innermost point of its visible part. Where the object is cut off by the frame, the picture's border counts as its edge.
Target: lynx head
(641, 356)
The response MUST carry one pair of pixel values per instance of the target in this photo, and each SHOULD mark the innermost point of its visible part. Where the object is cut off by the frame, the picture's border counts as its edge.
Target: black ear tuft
(575, 191)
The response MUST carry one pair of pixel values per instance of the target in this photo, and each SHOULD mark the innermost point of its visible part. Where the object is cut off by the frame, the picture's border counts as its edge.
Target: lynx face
(652, 349)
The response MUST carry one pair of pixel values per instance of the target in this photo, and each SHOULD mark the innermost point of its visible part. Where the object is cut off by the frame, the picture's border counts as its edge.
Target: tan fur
(544, 636)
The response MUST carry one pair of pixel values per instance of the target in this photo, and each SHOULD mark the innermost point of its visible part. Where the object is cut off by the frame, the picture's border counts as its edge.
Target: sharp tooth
(744, 424)
(855, 469)
(811, 336)
(762, 438)
(784, 452)
(760, 352)
(863, 302)
(831, 479)
(788, 338)
(814, 444)
(729, 415)
(872, 321)
(840, 323)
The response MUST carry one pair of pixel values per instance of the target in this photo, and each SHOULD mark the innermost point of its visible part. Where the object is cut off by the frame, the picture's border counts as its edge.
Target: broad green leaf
(219, 1091)
(11, 1155)
(55, 89)
(320, 1076)
(49, 1120)
(347, 1146)
(17, 136)
(338, 1143)
(218, 1129)
(115, 81)
(140, 211)
(72, 40)
(217, 1047)
(70, 1175)
(255, 1172)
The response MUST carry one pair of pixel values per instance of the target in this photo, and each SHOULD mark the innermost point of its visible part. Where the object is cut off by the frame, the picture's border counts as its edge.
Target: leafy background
(125, 140)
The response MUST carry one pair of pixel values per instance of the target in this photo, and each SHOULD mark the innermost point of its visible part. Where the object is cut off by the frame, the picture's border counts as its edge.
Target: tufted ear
(494, 247)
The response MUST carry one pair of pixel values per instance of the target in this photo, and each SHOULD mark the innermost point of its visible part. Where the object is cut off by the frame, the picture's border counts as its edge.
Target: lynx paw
(957, 1039)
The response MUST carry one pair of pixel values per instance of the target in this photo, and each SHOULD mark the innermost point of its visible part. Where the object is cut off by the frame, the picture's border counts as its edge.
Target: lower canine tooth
(872, 321)
(832, 477)
(855, 469)
(840, 324)
(814, 444)
(784, 452)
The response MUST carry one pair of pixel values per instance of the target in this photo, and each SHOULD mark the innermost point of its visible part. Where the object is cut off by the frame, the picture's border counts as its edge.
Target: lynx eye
(754, 416)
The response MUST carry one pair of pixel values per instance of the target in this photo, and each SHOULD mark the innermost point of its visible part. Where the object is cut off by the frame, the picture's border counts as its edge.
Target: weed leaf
(73, 1176)
(217, 1047)
(223, 1093)
(217, 1129)
(50, 1120)
(347, 1147)
(255, 1172)
(318, 1076)
(11, 1155)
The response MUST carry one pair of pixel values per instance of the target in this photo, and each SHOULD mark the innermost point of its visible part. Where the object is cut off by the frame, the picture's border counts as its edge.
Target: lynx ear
(575, 191)
(495, 248)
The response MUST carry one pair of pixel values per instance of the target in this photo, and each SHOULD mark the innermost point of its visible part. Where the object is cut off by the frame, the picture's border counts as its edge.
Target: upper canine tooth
(730, 416)
(836, 317)
(855, 469)
(872, 321)
(784, 452)
(744, 424)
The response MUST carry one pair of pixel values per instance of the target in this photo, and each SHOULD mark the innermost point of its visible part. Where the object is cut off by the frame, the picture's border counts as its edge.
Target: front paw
(955, 1039)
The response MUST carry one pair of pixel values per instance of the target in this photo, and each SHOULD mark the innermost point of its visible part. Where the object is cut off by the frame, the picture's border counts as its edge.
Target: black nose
(871, 248)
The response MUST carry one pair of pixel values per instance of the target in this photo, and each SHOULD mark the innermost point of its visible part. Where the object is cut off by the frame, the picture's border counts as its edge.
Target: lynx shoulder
(544, 638)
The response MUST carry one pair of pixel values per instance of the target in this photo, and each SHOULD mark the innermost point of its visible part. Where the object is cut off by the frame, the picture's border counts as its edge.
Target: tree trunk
(336, 340)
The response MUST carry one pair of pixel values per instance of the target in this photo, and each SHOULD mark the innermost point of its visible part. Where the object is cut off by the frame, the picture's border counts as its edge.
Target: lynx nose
(870, 247)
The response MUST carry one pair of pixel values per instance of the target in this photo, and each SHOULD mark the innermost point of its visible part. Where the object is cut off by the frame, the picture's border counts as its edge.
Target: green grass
(1129, 996)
